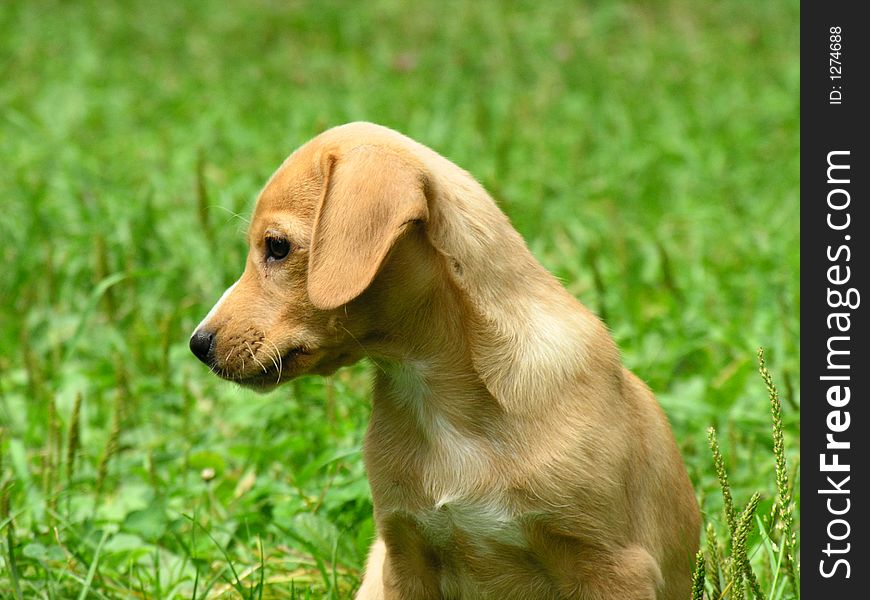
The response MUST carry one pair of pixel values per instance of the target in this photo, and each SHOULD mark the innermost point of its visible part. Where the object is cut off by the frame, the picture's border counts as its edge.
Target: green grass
(648, 152)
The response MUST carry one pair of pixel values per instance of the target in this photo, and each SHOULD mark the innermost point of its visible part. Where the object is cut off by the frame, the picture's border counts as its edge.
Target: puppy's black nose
(202, 345)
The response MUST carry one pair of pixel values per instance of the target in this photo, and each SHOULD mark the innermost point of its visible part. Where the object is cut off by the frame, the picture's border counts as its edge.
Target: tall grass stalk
(736, 564)
(53, 454)
(724, 486)
(740, 569)
(784, 509)
(6, 518)
(713, 561)
(698, 577)
(739, 566)
(111, 447)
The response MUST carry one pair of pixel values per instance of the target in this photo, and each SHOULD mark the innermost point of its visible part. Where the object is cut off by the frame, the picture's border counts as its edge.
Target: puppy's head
(321, 232)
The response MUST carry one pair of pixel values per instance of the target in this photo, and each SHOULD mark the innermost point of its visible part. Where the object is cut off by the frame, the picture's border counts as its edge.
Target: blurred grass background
(647, 151)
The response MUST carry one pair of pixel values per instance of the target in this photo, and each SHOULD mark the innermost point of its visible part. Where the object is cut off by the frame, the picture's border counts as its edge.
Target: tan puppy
(510, 454)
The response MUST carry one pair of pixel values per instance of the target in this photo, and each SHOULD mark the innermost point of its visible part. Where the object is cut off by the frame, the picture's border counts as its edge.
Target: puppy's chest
(473, 526)
(445, 504)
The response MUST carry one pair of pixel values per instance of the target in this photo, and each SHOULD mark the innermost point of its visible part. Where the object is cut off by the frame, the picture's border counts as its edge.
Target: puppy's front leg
(411, 568)
(381, 582)
(372, 587)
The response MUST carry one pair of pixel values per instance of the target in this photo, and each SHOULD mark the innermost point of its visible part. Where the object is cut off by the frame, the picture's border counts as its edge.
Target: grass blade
(92, 570)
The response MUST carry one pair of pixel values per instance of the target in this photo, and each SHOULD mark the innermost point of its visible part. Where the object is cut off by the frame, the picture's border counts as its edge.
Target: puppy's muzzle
(202, 345)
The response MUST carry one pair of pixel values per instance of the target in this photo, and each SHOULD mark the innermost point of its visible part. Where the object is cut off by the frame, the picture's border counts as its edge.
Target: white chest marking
(456, 461)
(480, 523)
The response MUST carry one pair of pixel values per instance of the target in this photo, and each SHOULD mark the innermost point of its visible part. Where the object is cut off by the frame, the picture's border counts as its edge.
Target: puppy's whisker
(233, 214)
(271, 356)
(256, 360)
(274, 362)
(363, 348)
(280, 365)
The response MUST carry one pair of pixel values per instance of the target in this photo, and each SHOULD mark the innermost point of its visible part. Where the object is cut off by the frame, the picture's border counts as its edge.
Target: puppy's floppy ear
(370, 196)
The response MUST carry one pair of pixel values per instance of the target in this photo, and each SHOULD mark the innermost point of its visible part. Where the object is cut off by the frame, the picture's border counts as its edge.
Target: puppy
(510, 454)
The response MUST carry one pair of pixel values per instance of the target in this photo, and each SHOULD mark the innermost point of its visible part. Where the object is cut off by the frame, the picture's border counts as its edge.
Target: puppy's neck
(425, 364)
(468, 353)
(465, 295)
(528, 338)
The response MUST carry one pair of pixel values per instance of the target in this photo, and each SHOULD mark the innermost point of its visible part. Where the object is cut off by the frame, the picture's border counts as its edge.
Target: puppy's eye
(277, 248)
